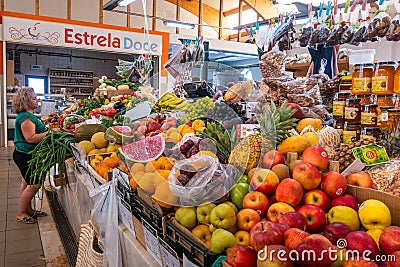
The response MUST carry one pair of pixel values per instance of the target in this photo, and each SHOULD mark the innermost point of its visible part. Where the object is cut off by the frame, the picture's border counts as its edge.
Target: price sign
(371, 155)
(125, 215)
(168, 254)
(151, 240)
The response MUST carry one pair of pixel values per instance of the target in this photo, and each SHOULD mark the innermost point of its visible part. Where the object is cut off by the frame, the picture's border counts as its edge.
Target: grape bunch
(198, 109)
(228, 113)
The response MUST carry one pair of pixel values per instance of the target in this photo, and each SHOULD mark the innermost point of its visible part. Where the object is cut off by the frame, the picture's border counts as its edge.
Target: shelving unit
(300, 69)
(77, 83)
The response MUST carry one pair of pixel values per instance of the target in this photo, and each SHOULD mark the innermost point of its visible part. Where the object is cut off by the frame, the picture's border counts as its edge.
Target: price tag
(151, 240)
(168, 254)
(125, 215)
(371, 155)
(243, 130)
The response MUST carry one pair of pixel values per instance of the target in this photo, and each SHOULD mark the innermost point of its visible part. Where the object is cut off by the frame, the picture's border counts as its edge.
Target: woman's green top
(21, 145)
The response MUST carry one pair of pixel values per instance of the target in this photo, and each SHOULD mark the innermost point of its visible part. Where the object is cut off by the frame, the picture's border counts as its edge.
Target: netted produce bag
(386, 177)
(320, 35)
(200, 179)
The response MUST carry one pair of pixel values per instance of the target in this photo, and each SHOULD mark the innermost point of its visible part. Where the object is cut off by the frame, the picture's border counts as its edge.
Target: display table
(77, 204)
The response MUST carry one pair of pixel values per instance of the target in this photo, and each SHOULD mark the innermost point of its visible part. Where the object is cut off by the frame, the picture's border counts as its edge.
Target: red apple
(346, 200)
(294, 220)
(336, 231)
(361, 241)
(274, 255)
(321, 248)
(272, 158)
(317, 197)
(389, 241)
(299, 114)
(239, 255)
(315, 218)
(293, 236)
(361, 179)
(307, 175)
(289, 191)
(276, 210)
(396, 261)
(334, 184)
(264, 234)
(264, 181)
(359, 262)
(256, 201)
(317, 156)
(283, 227)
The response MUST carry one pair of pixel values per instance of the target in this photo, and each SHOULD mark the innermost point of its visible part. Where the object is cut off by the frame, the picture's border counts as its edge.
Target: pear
(223, 216)
(187, 217)
(203, 212)
(221, 240)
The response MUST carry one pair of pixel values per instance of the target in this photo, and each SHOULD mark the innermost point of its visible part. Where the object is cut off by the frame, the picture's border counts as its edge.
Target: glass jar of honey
(352, 110)
(351, 132)
(382, 101)
(383, 78)
(345, 84)
(384, 117)
(366, 99)
(362, 79)
(370, 133)
(369, 115)
(396, 88)
(339, 126)
(339, 103)
(393, 118)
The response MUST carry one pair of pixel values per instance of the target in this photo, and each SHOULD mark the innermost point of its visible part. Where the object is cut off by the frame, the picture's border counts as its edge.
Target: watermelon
(121, 134)
(144, 150)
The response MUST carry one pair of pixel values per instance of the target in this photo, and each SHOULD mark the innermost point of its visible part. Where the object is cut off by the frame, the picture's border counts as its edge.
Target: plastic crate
(150, 215)
(184, 242)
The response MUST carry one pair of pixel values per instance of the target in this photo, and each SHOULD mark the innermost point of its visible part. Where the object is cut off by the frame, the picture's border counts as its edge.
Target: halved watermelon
(121, 134)
(144, 150)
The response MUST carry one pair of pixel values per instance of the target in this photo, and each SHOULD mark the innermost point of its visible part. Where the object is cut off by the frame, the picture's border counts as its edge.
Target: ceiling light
(125, 2)
(226, 59)
(178, 24)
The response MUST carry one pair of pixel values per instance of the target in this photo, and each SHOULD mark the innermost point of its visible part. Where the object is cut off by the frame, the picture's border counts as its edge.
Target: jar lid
(370, 105)
(372, 128)
(387, 107)
(387, 63)
(364, 65)
(394, 110)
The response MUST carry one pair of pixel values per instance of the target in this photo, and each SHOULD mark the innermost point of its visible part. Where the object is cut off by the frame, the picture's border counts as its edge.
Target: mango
(294, 143)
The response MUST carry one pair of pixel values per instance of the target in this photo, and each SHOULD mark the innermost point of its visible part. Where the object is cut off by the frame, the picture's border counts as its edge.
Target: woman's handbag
(87, 255)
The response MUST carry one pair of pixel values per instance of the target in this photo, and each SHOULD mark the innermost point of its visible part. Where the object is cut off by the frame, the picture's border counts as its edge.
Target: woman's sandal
(39, 213)
(27, 220)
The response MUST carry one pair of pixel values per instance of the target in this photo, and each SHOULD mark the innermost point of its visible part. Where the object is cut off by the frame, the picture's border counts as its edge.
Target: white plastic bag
(105, 218)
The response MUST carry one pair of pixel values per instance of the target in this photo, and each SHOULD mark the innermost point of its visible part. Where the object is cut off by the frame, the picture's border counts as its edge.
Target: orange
(169, 164)
(161, 161)
(197, 124)
(164, 173)
(137, 167)
(182, 127)
(187, 131)
(171, 130)
(152, 166)
(175, 137)
(133, 184)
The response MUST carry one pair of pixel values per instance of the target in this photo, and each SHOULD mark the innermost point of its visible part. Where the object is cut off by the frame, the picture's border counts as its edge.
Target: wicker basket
(87, 255)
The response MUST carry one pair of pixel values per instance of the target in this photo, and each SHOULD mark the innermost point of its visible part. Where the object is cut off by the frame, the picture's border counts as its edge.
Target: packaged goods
(271, 64)
(352, 110)
(362, 79)
(369, 115)
(383, 78)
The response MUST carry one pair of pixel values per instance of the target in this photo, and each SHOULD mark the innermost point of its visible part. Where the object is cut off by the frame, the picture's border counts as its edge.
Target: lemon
(312, 137)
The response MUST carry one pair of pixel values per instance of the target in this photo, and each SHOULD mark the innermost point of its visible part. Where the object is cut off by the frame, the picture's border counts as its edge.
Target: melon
(85, 132)
(99, 141)
(144, 150)
(86, 146)
(119, 134)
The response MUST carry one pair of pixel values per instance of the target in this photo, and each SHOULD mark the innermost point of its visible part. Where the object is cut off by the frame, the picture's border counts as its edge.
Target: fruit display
(198, 109)
(345, 154)
(169, 101)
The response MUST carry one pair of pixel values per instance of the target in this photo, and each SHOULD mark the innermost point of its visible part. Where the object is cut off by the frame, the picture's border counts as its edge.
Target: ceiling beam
(236, 10)
(265, 9)
(210, 14)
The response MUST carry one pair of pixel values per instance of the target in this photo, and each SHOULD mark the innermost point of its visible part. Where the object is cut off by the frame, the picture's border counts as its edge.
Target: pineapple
(390, 139)
(275, 126)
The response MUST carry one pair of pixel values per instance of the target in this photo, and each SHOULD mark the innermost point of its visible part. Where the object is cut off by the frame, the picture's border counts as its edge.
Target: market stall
(210, 178)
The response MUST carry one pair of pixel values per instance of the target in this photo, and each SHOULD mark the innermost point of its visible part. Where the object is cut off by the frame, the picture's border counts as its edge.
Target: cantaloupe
(86, 146)
(99, 140)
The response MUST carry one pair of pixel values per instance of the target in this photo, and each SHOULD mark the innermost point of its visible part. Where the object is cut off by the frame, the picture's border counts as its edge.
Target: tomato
(111, 112)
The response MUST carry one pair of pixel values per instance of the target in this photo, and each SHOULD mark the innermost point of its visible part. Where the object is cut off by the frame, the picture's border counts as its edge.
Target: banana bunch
(169, 101)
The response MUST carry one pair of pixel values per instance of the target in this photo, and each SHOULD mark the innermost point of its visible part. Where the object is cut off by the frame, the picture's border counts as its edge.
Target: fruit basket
(185, 243)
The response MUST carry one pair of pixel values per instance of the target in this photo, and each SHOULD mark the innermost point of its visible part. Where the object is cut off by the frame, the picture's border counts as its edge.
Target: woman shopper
(28, 132)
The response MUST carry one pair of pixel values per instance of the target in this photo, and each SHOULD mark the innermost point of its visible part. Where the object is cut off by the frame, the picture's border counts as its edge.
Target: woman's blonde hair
(22, 99)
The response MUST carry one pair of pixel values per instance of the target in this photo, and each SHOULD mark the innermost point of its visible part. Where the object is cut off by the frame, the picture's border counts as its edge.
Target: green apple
(243, 179)
(186, 216)
(221, 240)
(237, 194)
(203, 212)
(223, 216)
(202, 231)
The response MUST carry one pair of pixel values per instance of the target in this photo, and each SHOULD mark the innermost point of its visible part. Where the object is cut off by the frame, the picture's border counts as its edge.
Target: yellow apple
(375, 233)
(374, 214)
(345, 215)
